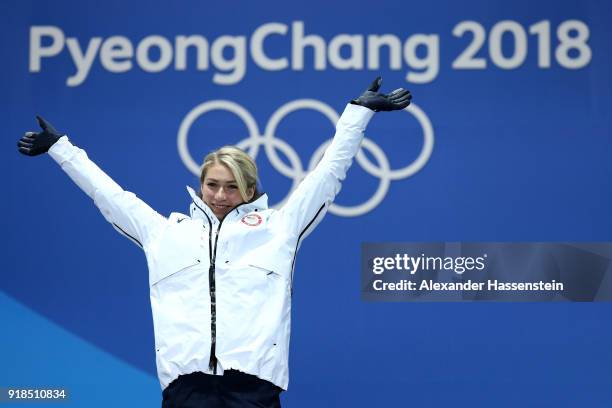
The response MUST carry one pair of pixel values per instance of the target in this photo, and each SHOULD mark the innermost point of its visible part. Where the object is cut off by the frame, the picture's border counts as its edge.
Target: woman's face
(220, 191)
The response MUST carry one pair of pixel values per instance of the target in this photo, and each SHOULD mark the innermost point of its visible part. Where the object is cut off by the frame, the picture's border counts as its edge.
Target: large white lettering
(228, 56)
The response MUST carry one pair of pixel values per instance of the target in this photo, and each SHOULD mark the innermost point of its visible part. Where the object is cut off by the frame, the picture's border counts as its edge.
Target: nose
(220, 194)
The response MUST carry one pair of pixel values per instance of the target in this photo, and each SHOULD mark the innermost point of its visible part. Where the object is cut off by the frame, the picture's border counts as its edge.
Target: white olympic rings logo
(296, 172)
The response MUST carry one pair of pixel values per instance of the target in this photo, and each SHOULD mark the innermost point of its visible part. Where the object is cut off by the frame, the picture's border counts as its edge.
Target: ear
(250, 193)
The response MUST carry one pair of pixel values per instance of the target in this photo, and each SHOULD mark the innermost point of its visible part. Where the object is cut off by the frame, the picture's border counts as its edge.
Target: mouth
(221, 208)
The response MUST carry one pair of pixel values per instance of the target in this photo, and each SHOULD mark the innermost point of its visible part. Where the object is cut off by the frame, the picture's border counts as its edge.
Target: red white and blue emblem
(252, 220)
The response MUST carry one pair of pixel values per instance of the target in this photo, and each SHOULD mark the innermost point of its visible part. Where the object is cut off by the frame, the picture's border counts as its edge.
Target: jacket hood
(199, 209)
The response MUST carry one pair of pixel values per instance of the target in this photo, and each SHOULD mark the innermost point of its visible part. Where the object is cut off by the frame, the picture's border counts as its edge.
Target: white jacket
(244, 264)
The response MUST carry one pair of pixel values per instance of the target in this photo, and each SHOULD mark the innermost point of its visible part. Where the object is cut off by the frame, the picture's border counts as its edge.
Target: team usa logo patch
(252, 220)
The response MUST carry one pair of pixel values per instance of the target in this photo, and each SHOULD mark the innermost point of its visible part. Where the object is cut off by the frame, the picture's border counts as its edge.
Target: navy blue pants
(233, 389)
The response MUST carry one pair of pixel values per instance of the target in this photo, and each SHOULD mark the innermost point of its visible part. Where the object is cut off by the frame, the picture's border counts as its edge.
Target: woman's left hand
(371, 99)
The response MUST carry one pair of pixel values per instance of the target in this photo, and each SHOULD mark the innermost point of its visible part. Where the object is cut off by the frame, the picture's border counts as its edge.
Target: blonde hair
(239, 163)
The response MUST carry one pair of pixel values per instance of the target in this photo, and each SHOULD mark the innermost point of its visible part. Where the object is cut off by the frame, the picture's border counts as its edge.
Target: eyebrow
(219, 181)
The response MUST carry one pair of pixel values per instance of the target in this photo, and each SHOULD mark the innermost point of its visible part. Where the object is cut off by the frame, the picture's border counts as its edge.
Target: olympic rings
(296, 172)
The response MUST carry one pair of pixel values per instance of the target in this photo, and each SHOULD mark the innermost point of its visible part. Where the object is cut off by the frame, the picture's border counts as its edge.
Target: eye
(232, 187)
(211, 184)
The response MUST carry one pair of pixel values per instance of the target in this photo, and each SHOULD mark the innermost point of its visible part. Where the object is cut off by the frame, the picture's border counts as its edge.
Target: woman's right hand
(33, 144)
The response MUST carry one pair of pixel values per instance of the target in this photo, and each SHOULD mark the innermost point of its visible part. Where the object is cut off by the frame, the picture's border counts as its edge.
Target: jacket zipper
(212, 363)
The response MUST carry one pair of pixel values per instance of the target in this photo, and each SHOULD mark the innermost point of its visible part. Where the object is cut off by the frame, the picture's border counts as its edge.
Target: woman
(220, 279)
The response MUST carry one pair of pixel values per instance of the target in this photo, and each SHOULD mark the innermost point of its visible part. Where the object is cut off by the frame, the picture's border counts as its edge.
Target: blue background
(519, 155)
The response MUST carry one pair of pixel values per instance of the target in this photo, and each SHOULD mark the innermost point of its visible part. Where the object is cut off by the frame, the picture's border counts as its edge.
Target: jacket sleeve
(127, 213)
(310, 201)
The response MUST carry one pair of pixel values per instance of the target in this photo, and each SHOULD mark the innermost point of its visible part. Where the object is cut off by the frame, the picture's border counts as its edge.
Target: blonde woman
(220, 277)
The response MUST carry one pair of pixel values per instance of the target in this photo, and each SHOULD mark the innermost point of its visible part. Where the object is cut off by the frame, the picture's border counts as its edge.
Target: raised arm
(311, 199)
(127, 213)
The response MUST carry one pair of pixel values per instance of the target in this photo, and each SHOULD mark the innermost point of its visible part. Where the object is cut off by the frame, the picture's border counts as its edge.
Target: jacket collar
(199, 209)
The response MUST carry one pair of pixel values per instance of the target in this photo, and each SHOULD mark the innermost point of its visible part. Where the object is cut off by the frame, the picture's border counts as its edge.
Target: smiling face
(220, 190)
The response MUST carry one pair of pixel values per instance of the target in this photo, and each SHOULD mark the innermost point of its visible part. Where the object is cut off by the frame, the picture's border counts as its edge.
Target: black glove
(33, 144)
(371, 99)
